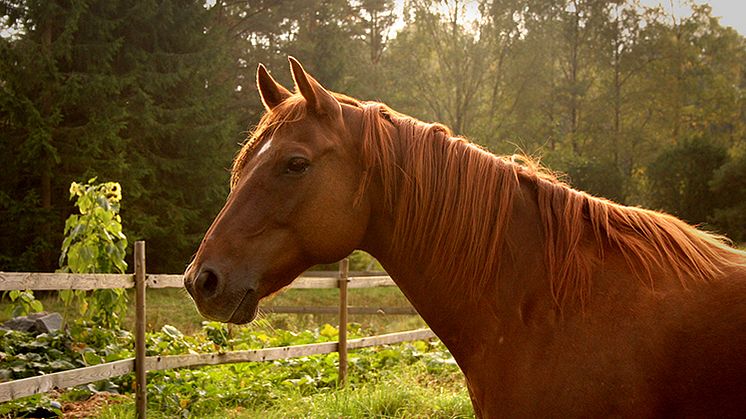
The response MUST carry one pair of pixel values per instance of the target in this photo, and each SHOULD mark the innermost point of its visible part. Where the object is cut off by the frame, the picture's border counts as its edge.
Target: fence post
(141, 394)
(342, 345)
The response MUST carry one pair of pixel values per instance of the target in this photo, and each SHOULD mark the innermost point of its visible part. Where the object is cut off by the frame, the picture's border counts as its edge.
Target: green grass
(403, 395)
(371, 297)
(406, 391)
(173, 306)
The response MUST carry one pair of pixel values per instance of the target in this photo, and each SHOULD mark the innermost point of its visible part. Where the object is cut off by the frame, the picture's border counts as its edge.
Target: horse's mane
(451, 197)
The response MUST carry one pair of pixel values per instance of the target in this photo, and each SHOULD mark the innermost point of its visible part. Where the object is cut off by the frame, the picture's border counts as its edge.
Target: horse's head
(291, 202)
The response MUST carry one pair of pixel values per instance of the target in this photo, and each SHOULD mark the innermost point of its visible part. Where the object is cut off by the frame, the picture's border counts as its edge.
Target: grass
(394, 397)
(407, 391)
(174, 306)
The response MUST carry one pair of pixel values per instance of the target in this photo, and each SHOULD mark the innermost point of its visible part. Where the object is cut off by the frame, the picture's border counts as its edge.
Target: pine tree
(181, 133)
(133, 91)
(58, 117)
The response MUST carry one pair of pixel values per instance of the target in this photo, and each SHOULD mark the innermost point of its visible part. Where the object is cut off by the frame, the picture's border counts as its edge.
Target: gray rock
(48, 323)
(41, 322)
(21, 324)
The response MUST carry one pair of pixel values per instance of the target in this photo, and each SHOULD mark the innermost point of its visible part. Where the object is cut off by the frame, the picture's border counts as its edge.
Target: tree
(625, 54)
(373, 22)
(59, 114)
(597, 177)
(181, 128)
(125, 90)
(680, 178)
(156, 95)
(729, 188)
(377, 18)
(442, 63)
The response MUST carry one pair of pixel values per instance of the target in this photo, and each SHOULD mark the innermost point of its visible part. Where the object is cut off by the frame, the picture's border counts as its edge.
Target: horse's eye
(297, 165)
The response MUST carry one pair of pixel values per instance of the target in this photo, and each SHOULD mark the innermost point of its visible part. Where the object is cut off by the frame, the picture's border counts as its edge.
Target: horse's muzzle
(216, 299)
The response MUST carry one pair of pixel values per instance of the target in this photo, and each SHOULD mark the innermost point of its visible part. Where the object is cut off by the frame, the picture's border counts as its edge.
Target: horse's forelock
(290, 110)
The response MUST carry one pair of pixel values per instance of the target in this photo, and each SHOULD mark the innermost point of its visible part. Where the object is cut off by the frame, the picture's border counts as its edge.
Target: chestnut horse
(553, 302)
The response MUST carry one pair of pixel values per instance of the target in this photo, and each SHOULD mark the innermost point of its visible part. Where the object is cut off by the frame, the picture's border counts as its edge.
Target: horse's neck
(456, 313)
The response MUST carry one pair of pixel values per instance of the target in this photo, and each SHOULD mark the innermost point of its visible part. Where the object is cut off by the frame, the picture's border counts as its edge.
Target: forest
(634, 103)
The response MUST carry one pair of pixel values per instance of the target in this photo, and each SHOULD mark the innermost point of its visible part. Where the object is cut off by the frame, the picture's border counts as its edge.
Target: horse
(553, 302)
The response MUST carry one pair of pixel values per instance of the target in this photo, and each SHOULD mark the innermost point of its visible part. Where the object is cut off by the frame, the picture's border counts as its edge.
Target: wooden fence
(140, 364)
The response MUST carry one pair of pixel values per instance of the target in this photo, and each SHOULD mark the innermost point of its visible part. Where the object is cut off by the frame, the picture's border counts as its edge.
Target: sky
(731, 12)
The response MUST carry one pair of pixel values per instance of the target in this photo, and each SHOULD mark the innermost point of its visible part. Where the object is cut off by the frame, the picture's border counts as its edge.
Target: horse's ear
(319, 99)
(272, 93)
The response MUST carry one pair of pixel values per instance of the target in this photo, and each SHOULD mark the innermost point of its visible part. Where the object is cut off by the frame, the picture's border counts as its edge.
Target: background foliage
(158, 94)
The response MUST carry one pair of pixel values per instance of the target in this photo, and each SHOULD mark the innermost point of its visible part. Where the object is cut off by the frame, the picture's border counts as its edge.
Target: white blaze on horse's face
(264, 147)
(291, 208)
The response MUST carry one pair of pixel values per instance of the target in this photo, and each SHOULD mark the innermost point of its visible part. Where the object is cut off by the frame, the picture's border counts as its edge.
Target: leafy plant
(95, 243)
(23, 303)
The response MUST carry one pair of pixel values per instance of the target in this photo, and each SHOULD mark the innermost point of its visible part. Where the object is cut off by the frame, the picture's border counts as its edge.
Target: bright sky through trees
(731, 12)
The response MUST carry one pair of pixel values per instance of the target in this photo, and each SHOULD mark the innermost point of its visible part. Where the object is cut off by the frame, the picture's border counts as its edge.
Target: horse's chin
(243, 311)
(246, 309)
(244, 316)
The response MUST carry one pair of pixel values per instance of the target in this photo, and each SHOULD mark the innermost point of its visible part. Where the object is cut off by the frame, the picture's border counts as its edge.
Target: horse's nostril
(207, 282)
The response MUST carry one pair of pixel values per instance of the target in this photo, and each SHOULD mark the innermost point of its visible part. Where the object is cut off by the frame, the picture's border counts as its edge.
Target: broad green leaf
(172, 331)
(91, 358)
(36, 306)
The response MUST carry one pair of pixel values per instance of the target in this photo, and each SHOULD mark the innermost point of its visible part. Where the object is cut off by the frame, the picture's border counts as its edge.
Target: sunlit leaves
(94, 243)
(23, 303)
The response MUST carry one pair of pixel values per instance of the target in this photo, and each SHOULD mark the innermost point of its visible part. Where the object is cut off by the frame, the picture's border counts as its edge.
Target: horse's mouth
(246, 309)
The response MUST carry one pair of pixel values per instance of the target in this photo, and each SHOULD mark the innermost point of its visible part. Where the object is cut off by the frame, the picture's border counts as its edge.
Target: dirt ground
(91, 407)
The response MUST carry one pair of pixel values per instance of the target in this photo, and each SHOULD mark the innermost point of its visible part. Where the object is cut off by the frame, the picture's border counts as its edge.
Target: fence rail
(334, 310)
(343, 280)
(64, 281)
(24, 387)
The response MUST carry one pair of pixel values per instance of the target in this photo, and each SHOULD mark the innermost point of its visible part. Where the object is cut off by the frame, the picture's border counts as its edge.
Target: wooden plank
(298, 310)
(165, 281)
(315, 282)
(333, 274)
(141, 394)
(257, 355)
(383, 310)
(371, 282)
(271, 354)
(420, 334)
(333, 282)
(16, 389)
(302, 282)
(29, 386)
(63, 281)
(333, 310)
